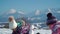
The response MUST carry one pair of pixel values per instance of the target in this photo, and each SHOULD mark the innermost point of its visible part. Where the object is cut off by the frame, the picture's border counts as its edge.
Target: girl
(12, 24)
(51, 22)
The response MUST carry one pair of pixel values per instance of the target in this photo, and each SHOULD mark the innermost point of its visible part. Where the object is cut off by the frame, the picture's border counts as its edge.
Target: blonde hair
(11, 18)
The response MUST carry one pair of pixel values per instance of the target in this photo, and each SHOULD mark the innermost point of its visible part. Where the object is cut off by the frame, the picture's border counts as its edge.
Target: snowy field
(8, 31)
(5, 31)
(34, 29)
(41, 31)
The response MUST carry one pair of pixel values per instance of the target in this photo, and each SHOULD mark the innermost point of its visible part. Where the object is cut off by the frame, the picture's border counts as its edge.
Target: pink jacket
(55, 28)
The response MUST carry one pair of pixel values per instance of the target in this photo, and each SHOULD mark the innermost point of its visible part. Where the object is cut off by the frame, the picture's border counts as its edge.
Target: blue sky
(28, 5)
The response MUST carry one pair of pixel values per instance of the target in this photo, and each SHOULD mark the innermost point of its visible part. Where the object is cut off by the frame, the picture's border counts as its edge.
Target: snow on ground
(5, 31)
(41, 31)
(34, 29)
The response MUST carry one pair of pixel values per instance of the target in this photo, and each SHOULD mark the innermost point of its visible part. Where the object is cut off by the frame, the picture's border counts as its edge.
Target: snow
(5, 31)
(33, 30)
(41, 31)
